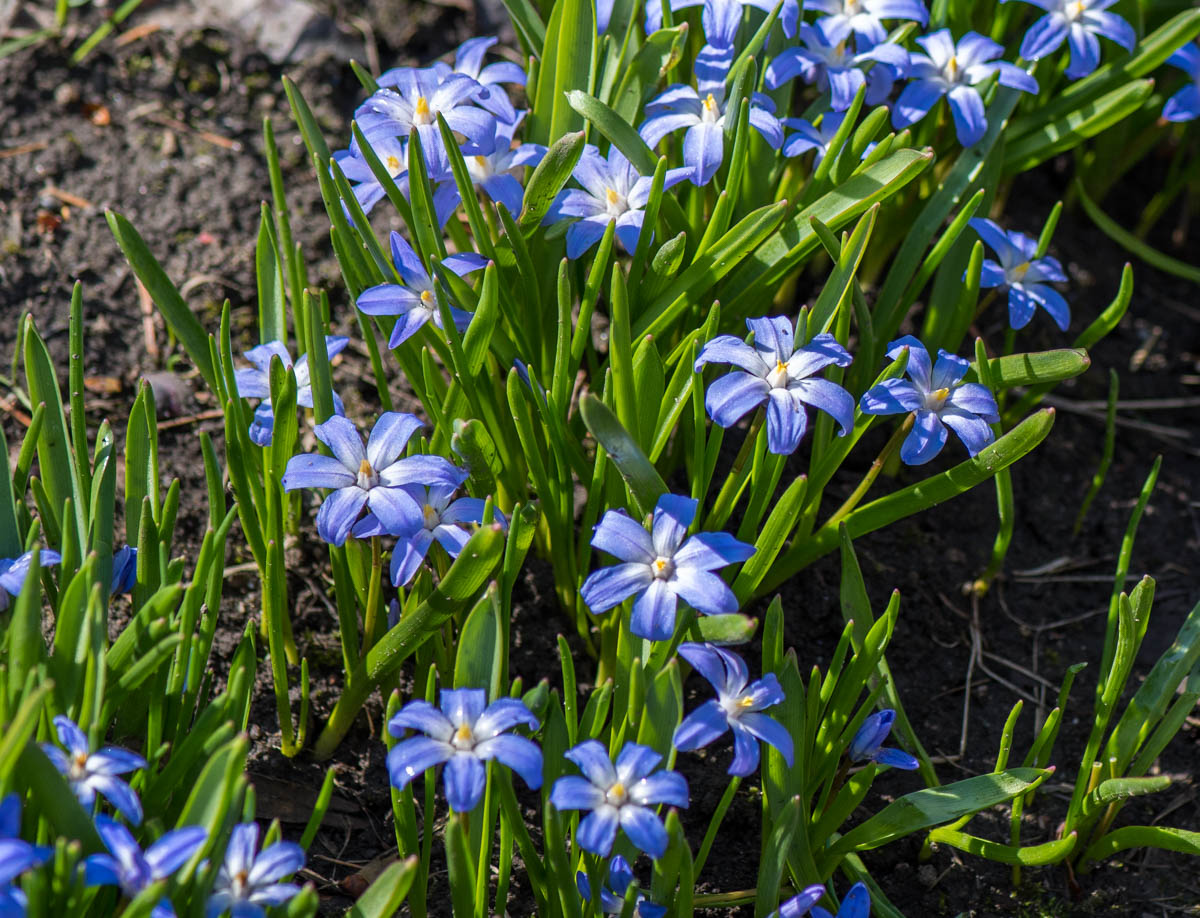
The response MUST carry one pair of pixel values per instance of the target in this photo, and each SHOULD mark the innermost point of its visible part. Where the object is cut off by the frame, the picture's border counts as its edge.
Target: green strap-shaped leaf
(165, 295)
(384, 897)
(1182, 840)
(643, 480)
(1052, 852)
(549, 178)
(1033, 369)
(907, 501)
(272, 306)
(567, 63)
(10, 534)
(924, 809)
(654, 59)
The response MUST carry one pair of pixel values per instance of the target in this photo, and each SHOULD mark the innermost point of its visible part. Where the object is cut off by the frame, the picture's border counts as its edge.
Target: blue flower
(867, 743)
(857, 904)
(124, 570)
(496, 173)
(799, 905)
(374, 478)
(735, 708)
(249, 881)
(680, 106)
(255, 382)
(413, 300)
(1077, 22)
(131, 869)
(16, 856)
(612, 896)
(419, 96)
(660, 568)
(939, 399)
(613, 190)
(90, 773)
(13, 572)
(1185, 104)
(778, 373)
(722, 11)
(463, 735)
(812, 137)
(953, 70)
(864, 17)
(441, 521)
(831, 65)
(620, 796)
(1023, 273)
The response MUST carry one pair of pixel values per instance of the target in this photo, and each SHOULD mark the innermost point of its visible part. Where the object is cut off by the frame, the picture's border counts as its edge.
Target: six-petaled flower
(414, 101)
(867, 745)
(952, 70)
(939, 398)
(1024, 273)
(463, 735)
(496, 172)
(90, 773)
(827, 61)
(249, 879)
(613, 192)
(1080, 23)
(777, 372)
(865, 17)
(737, 707)
(374, 478)
(660, 567)
(619, 796)
(255, 382)
(612, 895)
(128, 867)
(413, 301)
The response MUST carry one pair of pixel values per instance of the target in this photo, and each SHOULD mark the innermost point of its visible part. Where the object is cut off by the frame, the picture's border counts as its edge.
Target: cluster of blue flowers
(248, 881)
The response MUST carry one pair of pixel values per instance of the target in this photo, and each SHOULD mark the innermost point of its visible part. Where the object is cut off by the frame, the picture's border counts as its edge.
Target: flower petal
(654, 612)
(342, 438)
(518, 753)
(704, 725)
(644, 829)
(925, 440)
(572, 792)
(312, 470)
(829, 397)
(708, 551)
(464, 778)
(731, 396)
(770, 731)
(611, 586)
(974, 431)
(673, 514)
(702, 590)
(787, 422)
(634, 762)
(411, 757)
(623, 537)
(598, 830)
(592, 759)
(338, 513)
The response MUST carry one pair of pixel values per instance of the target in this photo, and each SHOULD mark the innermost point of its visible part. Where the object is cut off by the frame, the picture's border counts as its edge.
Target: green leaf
(1184, 841)
(479, 658)
(1032, 369)
(387, 893)
(1051, 852)
(567, 63)
(663, 709)
(617, 129)
(770, 869)
(549, 178)
(661, 51)
(10, 534)
(924, 809)
(179, 317)
(643, 480)
(734, 628)
(272, 308)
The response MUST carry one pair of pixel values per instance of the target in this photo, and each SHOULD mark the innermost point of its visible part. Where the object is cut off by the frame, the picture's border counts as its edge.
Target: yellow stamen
(463, 733)
(481, 161)
(952, 67)
(430, 516)
(617, 790)
(745, 701)
(426, 297)
(365, 470)
(393, 164)
(421, 110)
(710, 103)
(611, 196)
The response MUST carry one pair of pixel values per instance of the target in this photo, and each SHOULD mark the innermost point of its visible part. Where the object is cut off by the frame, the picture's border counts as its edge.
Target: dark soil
(166, 129)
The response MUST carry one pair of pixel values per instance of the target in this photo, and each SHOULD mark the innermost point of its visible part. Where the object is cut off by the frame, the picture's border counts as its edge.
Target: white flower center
(617, 795)
(464, 739)
(1017, 274)
(614, 202)
(778, 377)
(1075, 10)
(240, 883)
(421, 112)
(710, 110)
(430, 517)
(394, 166)
(367, 476)
(662, 568)
(78, 767)
(736, 705)
(936, 399)
(951, 70)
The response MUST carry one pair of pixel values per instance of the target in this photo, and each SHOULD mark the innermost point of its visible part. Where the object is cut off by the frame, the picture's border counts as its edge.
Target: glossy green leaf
(387, 892)
(1051, 852)
(548, 179)
(567, 63)
(643, 480)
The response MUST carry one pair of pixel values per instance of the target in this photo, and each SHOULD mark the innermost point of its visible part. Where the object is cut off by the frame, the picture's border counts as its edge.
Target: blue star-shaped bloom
(468, 61)
(463, 735)
(418, 97)
(737, 707)
(13, 572)
(940, 400)
(612, 896)
(952, 71)
(16, 857)
(1023, 273)
(827, 61)
(249, 880)
(128, 867)
(496, 173)
(1185, 104)
(613, 191)
(722, 11)
(90, 773)
(374, 478)
(442, 520)
(660, 568)
(413, 300)
(681, 107)
(619, 796)
(1077, 22)
(865, 17)
(778, 373)
(868, 742)
(255, 382)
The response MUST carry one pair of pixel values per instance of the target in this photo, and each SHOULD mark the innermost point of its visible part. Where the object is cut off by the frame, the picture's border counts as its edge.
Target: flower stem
(371, 618)
(714, 824)
(885, 454)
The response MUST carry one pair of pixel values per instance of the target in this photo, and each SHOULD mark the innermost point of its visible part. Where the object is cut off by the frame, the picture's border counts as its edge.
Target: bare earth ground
(166, 128)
